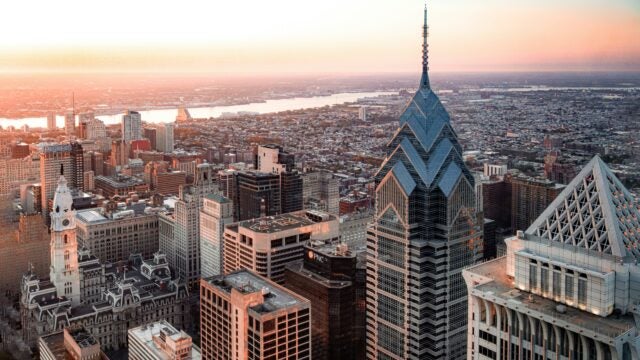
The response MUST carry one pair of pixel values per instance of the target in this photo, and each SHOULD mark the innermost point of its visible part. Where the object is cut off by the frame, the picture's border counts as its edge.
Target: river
(169, 115)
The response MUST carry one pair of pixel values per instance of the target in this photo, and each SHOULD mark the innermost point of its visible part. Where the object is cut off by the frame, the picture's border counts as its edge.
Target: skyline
(237, 38)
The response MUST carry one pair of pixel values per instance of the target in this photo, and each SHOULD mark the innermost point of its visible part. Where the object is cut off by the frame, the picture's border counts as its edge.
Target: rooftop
(276, 223)
(145, 334)
(501, 289)
(275, 298)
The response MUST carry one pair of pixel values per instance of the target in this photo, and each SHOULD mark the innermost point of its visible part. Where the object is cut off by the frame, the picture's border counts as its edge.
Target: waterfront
(169, 115)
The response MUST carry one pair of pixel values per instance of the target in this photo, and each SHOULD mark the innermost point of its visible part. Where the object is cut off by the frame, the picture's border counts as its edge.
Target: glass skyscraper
(426, 229)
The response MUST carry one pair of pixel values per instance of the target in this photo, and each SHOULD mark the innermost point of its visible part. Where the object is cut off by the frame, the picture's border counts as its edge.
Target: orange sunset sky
(329, 36)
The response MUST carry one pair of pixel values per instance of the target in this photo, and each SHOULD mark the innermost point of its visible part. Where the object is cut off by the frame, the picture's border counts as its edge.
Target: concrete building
(353, 228)
(258, 194)
(164, 138)
(70, 123)
(217, 211)
(112, 233)
(321, 191)
(427, 228)
(55, 160)
(266, 245)
(529, 197)
(362, 113)
(568, 286)
(161, 341)
(77, 344)
(131, 126)
(120, 185)
(17, 172)
(51, 121)
(245, 316)
(327, 277)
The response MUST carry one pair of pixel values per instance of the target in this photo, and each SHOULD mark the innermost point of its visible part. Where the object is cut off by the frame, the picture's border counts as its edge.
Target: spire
(424, 81)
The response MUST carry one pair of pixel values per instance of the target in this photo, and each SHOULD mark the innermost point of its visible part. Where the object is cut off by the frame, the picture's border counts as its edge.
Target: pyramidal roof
(595, 212)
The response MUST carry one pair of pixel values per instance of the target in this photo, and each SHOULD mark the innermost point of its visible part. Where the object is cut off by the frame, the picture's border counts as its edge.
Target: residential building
(245, 316)
(131, 126)
(164, 138)
(320, 191)
(529, 198)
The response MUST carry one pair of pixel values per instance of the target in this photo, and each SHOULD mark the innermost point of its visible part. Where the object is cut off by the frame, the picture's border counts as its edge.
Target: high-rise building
(245, 316)
(327, 277)
(150, 134)
(266, 245)
(51, 121)
(362, 113)
(273, 159)
(426, 229)
(569, 285)
(217, 211)
(55, 160)
(131, 126)
(321, 191)
(353, 228)
(258, 194)
(70, 123)
(529, 198)
(556, 170)
(95, 129)
(164, 138)
(161, 341)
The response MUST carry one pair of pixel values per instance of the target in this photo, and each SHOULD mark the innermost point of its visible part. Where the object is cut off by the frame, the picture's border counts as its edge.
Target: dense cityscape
(447, 216)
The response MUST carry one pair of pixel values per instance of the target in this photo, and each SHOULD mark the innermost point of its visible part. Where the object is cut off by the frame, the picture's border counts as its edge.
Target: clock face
(65, 222)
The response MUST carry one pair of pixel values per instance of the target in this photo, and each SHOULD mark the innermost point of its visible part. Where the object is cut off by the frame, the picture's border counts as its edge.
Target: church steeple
(424, 81)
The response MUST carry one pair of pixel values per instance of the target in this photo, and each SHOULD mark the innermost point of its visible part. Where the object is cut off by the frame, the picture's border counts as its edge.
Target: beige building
(266, 245)
(245, 316)
(161, 341)
(77, 344)
(114, 234)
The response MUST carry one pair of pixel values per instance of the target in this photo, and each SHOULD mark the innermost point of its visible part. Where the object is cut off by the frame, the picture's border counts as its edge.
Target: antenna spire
(424, 81)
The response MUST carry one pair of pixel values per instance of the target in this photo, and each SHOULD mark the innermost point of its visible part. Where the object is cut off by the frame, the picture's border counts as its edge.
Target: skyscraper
(217, 211)
(164, 138)
(54, 161)
(569, 285)
(131, 126)
(51, 121)
(70, 123)
(426, 229)
(245, 316)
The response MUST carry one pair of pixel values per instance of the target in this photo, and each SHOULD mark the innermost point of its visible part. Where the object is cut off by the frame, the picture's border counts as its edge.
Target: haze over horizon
(294, 37)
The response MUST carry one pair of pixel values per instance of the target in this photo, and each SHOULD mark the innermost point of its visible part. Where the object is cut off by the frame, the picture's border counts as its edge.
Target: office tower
(51, 121)
(95, 129)
(568, 286)
(258, 194)
(114, 232)
(162, 180)
(70, 123)
(26, 247)
(76, 177)
(266, 245)
(121, 185)
(76, 343)
(245, 316)
(164, 138)
(327, 278)
(17, 172)
(273, 159)
(490, 236)
(182, 243)
(119, 153)
(320, 190)
(89, 180)
(217, 211)
(55, 160)
(131, 126)
(529, 197)
(426, 229)
(161, 341)
(183, 114)
(64, 246)
(353, 228)
(362, 113)
(150, 134)
(496, 201)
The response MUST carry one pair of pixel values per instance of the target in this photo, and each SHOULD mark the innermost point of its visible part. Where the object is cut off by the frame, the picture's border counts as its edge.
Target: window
(582, 290)
(568, 287)
(544, 280)
(557, 284)
(533, 277)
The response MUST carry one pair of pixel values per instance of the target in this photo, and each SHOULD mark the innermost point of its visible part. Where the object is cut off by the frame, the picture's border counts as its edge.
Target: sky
(325, 36)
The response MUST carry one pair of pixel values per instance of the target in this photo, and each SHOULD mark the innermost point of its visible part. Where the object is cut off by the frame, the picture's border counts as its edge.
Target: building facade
(267, 245)
(217, 211)
(426, 229)
(131, 126)
(245, 316)
(568, 286)
(161, 341)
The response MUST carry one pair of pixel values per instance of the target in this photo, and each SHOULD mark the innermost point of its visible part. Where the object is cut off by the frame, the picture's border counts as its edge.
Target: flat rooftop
(146, 332)
(502, 288)
(276, 223)
(275, 297)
